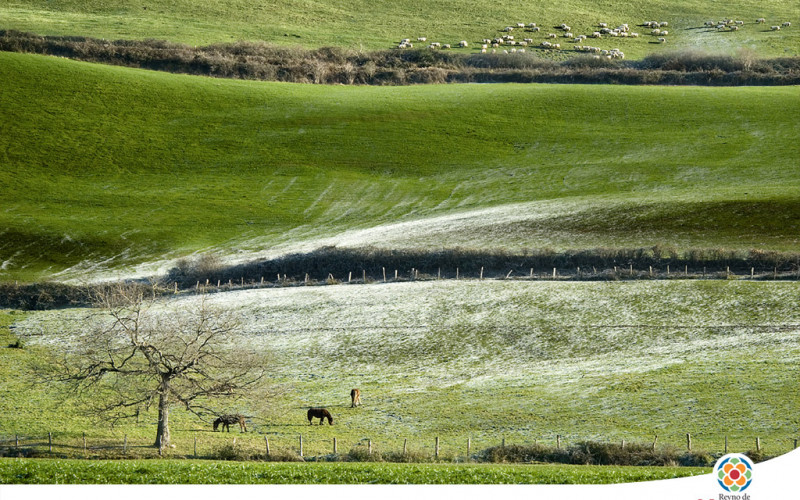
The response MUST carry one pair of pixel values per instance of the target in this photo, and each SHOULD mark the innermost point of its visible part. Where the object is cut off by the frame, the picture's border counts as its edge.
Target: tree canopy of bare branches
(136, 353)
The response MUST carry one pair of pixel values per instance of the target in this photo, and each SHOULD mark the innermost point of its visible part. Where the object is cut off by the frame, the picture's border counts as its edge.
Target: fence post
(481, 272)
(266, 443)
(579, 271)
(335, 451)
(84, 443)
(558, 441)
(758, 444)
(623, 444)
(395, 274)
(405, 446)
(554, 273)
(752, 272)
(437, 447)
(384, 274)
(469, 447)
(125, 445)
(176, 287)
(301, 445)
(369, 446)
(667, 269)
(726, 445)
(456, 273)
(218, 283)
(350, 276)
(364, 272)
(439, 274)
(688, 442)
(655, 440)
(50, 442)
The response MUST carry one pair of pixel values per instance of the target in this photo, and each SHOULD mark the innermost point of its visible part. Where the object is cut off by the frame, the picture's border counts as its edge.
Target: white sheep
(662, 40)
(551, 35)
(664, 24)
(786, 24)
(483, 51)
(531, 25)
(775, 28)
(556, 45)
(665, 32)
(520, 25)
(602, 25)
(463, 43)
(655, 32)
(635, 35)
(422, 39)
(535, 29)
(596, 34)
(446, 46)
(508, 29)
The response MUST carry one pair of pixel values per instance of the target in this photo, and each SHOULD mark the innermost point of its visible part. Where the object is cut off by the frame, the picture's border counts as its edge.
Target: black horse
(227, 420)
(321, 414)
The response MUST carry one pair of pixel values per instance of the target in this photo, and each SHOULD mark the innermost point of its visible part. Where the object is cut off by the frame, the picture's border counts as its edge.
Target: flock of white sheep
(508, 44)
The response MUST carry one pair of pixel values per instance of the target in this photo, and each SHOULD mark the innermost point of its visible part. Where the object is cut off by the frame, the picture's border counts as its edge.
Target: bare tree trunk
(162, 433)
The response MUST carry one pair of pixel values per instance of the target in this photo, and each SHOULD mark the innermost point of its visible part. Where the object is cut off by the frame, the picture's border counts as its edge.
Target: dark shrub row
(337, 262)
(330, 65)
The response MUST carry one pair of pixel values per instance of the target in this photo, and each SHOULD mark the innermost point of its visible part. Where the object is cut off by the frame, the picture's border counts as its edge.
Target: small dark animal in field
(227, 420)
(355, 395)
(321, 414)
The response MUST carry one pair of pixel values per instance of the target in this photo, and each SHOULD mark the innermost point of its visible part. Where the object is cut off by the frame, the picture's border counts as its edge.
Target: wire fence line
(307, 446)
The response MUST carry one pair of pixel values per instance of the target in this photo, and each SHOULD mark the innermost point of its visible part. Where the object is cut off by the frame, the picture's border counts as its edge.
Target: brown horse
(227, 420)
(321, 414)
(355, 396)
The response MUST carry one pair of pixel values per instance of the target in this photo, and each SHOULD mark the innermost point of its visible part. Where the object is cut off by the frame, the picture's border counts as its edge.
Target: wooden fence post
(266, 443)
(655, 440)
(579, 271)
(554, 273)
(335, 450)
(726, 445)
(384, 274)
(758, 444)
(50, 442)
(481, 272)
(437, 447)
(667, 269)
(364, 272)
(369, 446)
(752, 272)
(301, 445)
(456, 273)
(350, 276)
(688, 442)
(623, 444)
(439, 274)
(176, 287)
(558, 441)
(469, 447)
(84, 442)
(405, 446)
(218, 283)
(395, 274)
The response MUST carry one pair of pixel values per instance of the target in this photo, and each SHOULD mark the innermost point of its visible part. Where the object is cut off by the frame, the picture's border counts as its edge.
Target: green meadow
(107, 167)
(381, 24)
(519, 361)
(194, 472)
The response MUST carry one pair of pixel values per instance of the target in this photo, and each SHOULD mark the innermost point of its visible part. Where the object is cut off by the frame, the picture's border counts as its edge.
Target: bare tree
(136, 353)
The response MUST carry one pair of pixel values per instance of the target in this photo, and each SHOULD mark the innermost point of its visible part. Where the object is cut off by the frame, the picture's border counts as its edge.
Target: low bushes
(332, 65)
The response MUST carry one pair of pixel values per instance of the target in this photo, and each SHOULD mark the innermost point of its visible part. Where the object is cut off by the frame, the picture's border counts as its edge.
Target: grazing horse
(355, 396)
(321, 414)
(227, 420)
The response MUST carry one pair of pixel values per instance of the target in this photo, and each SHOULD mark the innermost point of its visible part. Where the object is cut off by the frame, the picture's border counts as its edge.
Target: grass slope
(489, 360)
(381, 23)
(191, 472)
(106, 166)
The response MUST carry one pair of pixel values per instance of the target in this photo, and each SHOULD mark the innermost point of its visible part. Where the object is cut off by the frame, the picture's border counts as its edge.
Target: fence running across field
(531, 274)
(200, 445)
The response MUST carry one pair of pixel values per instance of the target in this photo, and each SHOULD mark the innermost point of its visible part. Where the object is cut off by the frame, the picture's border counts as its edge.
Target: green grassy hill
(104, 167)
(382, 23)
(488, 360)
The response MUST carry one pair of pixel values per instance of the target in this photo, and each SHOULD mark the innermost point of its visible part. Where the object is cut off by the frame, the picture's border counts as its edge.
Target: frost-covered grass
(523, 361)
(192, 472)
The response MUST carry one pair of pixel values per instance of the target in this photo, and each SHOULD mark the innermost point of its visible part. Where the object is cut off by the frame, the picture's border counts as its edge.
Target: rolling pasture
(108, 168)
(486, 360)
(382, 24)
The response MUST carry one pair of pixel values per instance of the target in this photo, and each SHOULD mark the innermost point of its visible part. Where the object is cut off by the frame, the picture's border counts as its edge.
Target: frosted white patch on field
(444, 333)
